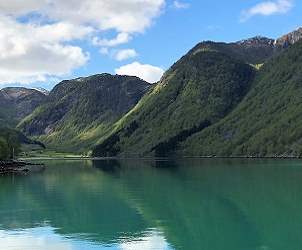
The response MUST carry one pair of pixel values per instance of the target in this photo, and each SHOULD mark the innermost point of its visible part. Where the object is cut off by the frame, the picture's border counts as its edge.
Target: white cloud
(122, 15)
(121, 38)
(125, 54)
(30, 53)
(146, 72)
(36, 50)
(180, 5)
(267, 8)
(17, 7)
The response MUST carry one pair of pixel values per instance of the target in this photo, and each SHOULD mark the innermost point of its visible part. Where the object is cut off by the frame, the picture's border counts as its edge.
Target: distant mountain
(17, 103)
(214, 102)
(79, 112)
(42, 90)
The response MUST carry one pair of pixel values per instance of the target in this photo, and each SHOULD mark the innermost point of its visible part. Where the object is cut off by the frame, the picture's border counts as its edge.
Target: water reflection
(46, 238)
(191, 204)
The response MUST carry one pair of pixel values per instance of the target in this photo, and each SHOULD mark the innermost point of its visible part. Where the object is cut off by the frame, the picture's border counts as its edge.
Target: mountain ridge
(124, 116)
(80, 110)
(131, 136)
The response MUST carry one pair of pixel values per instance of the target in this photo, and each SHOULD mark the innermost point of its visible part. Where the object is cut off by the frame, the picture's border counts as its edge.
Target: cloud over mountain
(146, 72)
(39, 38)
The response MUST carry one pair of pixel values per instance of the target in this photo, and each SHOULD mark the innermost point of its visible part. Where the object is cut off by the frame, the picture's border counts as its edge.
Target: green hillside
(199, 90)
(212, 102)
(267, 122)
(220, 99)
(79, 112)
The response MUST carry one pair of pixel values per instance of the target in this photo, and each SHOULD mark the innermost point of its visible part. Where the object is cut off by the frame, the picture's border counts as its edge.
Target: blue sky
(153, 35)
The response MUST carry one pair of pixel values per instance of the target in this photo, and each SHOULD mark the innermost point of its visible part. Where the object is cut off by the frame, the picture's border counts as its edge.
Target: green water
(187, 204)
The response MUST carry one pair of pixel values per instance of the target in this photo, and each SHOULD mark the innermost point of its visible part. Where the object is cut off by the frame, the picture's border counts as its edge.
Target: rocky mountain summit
(282, 42)
(257, 41)
(289, 39)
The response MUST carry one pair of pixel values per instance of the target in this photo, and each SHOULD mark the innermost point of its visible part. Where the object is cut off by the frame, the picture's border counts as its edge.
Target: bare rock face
(258, 41)
(289, 39)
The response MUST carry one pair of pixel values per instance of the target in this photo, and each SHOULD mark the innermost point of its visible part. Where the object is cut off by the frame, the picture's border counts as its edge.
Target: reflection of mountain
(230, 205)
(81, 202)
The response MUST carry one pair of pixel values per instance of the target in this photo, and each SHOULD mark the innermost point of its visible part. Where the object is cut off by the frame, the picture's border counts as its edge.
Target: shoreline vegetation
(151, 158)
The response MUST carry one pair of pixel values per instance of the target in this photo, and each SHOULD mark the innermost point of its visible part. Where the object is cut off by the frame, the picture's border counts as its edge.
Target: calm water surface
(188, 204)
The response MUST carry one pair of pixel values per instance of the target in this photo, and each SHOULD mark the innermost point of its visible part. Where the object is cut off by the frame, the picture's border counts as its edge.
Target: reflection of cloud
(31, 239)
(45, 238)
(150, 242)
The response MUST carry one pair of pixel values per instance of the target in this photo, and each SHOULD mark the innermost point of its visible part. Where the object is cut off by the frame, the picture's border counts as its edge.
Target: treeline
(9, 143)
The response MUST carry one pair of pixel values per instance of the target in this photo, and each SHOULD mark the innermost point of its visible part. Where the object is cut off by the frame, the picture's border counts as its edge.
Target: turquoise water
(184, 204)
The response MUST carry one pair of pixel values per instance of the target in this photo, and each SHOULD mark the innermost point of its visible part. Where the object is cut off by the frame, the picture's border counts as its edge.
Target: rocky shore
(19, 167)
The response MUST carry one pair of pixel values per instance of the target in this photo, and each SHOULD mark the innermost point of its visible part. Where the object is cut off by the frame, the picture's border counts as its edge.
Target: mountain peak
(289, 38)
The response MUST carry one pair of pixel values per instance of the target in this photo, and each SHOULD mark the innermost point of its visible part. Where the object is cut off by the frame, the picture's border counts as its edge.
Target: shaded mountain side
(78, 112)
(16, 103)
(11, 141)
(267, 122)
(199, 90)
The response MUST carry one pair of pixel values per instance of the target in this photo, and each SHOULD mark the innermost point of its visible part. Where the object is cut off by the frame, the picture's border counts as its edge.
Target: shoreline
(19, 167)
(163, 158)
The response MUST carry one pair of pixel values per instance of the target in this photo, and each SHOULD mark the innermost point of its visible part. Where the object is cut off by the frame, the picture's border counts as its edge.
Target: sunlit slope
(199, 90)
(80, 111)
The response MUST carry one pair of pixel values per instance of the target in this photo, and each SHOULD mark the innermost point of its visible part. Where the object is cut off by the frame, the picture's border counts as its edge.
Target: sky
(45, 41)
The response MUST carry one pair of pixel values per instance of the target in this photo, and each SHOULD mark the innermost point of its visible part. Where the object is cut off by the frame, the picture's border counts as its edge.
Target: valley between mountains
(241, 99)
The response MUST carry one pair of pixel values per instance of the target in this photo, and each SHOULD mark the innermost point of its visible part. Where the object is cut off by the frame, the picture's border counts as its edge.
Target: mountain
(17, 103)
(214, 101)
(289, 39)
(223, 99)
(42, 90)
(268, 120)
(199, 90)
(253, 51)
(79, 112)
